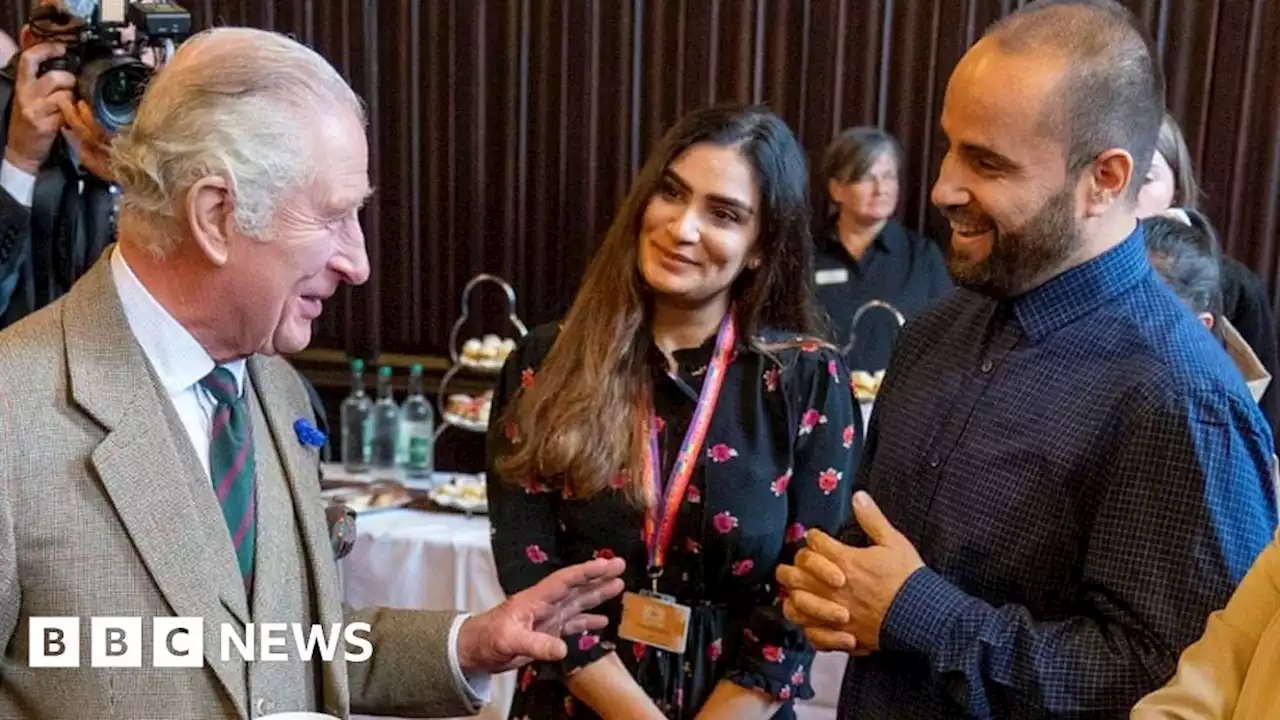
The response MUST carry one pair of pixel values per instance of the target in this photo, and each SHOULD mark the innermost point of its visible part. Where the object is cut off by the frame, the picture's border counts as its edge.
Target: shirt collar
(176, 356)
(890, 239)
(1084, 288)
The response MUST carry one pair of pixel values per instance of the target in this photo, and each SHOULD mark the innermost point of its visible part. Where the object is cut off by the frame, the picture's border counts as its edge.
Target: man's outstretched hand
(529, 626)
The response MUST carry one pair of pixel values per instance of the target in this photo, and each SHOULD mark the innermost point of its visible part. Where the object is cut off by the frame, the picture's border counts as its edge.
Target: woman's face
(872, 198)
(1158, 188)
(701, 226)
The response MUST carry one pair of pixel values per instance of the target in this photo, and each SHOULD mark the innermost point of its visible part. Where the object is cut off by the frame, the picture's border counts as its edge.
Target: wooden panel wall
(504, 132)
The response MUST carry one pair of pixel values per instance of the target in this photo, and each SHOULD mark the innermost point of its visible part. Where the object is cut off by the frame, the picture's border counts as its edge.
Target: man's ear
(1108, 181)
(210, 211)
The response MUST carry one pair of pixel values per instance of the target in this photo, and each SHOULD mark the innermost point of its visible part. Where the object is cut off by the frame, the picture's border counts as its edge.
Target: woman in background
(1171, 182)
(685, 417)
(864, 253)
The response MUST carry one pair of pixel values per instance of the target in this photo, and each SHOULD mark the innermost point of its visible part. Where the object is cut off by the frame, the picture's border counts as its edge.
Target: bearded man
(1063, 476)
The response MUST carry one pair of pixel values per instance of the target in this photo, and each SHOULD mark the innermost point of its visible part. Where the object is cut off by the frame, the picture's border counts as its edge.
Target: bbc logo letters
(178, 642)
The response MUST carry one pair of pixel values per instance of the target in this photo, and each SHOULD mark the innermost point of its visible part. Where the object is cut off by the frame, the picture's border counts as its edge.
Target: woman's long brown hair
(1173, 146)
(576, 422)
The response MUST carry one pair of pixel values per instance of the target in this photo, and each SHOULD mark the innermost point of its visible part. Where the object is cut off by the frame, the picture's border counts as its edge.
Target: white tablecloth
(431, 561)
(442, 561)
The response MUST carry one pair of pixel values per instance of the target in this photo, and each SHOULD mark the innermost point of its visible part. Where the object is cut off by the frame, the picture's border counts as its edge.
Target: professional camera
(108, 64)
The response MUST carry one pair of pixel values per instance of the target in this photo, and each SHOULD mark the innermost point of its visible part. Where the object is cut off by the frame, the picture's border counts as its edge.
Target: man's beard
(1020, 257)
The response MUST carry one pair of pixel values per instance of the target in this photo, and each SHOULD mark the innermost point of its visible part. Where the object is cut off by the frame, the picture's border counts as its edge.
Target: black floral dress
(779, 457)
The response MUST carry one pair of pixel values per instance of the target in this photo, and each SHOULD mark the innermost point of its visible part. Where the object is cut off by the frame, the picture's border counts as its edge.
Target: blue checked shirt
(1086, 477)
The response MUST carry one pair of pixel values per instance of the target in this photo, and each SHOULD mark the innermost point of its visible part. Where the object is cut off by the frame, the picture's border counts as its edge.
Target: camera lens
(113, 87)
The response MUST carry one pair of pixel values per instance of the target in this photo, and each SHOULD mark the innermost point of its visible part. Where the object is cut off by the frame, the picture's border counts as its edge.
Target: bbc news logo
(178, 642)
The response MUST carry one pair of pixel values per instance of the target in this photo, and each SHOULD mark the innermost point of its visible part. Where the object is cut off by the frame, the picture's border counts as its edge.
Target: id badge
(834, 276)
(655, 620)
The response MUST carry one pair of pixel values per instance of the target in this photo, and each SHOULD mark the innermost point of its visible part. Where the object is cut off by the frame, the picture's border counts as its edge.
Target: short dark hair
(851, 154)
(1188, 258)
(1112, 91)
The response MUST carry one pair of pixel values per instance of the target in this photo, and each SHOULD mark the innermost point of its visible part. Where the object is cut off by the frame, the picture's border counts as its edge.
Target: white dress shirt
(180, 362)
(21, 185)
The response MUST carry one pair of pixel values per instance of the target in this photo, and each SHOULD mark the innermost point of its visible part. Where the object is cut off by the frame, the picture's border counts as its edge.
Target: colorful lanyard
(663, 507)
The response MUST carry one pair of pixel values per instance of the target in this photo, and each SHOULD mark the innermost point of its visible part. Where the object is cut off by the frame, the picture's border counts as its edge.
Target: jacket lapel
(283, 402)
(139, 462)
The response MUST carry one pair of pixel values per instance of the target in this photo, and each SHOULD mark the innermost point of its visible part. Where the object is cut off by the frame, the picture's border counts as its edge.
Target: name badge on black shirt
(834, 276)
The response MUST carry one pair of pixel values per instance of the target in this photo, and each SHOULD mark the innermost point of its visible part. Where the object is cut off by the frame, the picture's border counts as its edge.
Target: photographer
(57, 203)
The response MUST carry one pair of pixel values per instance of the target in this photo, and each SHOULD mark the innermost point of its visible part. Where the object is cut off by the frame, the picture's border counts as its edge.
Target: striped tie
(231, 465)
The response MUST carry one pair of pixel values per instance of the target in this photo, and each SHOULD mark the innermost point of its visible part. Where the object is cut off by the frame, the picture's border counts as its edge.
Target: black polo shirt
(900, 267)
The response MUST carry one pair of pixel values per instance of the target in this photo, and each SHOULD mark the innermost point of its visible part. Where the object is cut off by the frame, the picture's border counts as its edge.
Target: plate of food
(373, 497)
(866, 385)
(465, 493)
(470, 413)
(488, 353)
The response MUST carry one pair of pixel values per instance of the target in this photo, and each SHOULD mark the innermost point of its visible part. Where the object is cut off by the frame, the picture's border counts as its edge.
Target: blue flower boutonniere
(309, 434)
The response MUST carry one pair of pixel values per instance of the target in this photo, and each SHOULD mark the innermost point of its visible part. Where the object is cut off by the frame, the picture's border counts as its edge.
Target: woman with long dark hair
(687, 417)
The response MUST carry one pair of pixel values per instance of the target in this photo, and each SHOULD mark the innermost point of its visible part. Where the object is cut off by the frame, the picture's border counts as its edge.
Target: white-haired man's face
(314, 245)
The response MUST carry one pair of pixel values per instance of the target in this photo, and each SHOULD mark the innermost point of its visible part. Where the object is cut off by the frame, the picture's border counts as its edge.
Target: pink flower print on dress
(637, 651)
(535, 554)
(586, 641)
(603, 554)
(833, 369)
(743, 567)
(810, 420)
(779, 486)
(774, 654)
(526, 378)
(847, 437)
(797, 678)
(526, 678)
(785, 693)
(724, 522)
(829, 480)
(714, 649)
(771, 377)
(795, 533)
(693, 494)
(721, 453)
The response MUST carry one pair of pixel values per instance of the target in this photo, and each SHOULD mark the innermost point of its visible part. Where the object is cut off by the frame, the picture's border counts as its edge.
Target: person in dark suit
(57, 202)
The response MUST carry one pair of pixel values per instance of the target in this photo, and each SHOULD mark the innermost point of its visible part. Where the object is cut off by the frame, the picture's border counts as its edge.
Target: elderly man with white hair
(154, 462)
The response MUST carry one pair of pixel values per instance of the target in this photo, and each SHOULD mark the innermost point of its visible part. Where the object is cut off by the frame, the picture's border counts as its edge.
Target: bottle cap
(357, 365)
(384, 371)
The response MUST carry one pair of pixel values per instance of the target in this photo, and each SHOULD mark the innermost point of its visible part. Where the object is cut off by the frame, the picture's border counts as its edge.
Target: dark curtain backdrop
(505, 132)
